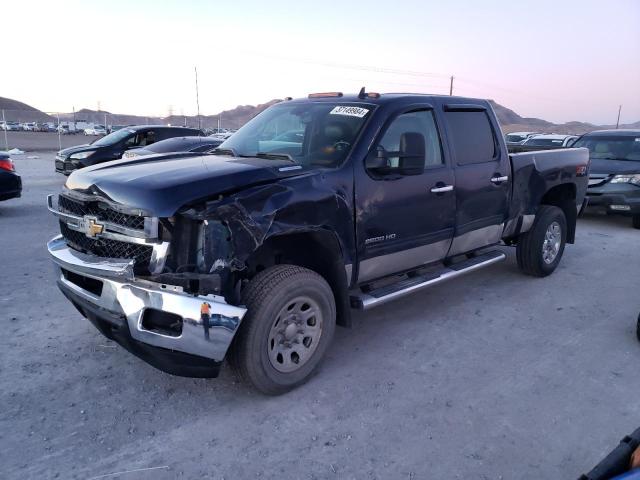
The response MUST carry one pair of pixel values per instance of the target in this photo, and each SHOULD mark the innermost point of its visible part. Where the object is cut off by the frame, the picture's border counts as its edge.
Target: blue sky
(559, 60)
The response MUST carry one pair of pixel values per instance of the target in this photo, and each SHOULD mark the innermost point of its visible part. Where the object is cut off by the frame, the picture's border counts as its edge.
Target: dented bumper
(154, 321)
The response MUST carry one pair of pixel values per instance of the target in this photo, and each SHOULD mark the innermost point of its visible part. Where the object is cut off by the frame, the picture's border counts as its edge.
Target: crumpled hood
(78, 148)
(616, 167)
(162, 185)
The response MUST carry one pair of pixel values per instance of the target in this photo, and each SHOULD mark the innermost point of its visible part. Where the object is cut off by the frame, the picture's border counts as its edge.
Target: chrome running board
(372, 298)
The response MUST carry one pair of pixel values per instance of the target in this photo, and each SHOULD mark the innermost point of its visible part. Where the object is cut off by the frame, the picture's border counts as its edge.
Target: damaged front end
(163, 305)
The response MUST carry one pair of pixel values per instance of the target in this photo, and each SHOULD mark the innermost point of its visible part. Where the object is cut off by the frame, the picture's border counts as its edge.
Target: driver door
(406, 217)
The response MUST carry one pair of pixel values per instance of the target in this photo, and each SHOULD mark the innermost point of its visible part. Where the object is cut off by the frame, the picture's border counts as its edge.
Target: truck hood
(615, 167)
(162, 185)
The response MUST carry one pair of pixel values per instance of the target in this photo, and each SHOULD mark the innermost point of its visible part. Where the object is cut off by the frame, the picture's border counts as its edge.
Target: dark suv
(614, 177)
(113, 146)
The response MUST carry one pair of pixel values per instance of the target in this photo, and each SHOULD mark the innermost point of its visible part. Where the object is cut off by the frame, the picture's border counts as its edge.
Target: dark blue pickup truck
(315, 207)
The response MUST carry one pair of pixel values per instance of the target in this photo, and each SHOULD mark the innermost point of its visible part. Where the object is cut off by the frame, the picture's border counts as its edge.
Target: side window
(472, 135)
(419, 121)
(131, 141)
(145, 138)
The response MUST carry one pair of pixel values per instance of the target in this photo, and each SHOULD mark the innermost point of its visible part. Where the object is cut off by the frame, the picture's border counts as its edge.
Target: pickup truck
(256, 252)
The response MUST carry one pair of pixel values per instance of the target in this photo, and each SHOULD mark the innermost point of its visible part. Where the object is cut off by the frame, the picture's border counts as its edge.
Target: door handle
(499, 180)
(446, 188)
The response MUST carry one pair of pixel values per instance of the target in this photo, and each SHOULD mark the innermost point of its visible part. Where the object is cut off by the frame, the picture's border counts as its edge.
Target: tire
(635, 221)
(535, 256)
(638, 328)
(277, 362)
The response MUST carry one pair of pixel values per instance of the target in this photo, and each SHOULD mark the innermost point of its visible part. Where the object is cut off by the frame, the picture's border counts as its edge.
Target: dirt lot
(494, 376)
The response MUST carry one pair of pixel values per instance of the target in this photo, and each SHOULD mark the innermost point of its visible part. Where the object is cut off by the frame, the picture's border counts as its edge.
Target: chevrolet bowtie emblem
(92, 227)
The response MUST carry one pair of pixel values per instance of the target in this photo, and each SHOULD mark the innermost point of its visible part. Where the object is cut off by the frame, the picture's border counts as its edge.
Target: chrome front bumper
(123, 296)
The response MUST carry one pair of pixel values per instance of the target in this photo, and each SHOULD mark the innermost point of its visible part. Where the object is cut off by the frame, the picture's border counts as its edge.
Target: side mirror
(412, 153)
(378, 159)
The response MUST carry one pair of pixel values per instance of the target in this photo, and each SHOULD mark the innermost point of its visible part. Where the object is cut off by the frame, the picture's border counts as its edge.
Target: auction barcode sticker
(349, 111)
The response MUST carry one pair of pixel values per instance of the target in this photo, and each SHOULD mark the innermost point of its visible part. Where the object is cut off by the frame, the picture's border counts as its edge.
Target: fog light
(620, 207)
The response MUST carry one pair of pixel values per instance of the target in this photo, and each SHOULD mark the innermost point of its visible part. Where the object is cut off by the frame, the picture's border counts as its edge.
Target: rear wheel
(540, 249)
(636, 221)
(290, 321)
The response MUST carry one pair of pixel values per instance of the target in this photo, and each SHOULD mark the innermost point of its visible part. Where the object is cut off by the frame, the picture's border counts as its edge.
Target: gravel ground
(496, 375)
(41, 141)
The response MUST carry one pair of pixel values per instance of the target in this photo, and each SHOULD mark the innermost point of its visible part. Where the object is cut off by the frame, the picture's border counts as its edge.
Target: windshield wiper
(224, 151)
(272, 156)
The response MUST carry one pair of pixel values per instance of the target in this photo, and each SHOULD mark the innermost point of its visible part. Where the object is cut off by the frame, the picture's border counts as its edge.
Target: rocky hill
(15, 111)
(236, 117)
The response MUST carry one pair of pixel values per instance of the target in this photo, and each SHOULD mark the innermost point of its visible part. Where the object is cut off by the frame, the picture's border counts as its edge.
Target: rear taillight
(7, 164)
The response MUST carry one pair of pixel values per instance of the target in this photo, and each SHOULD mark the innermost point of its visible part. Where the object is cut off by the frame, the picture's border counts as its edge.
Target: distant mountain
(507, 116)
(509, 120)
(15, 111)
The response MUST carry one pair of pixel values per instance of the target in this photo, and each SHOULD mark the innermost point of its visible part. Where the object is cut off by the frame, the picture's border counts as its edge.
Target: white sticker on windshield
(349, 111)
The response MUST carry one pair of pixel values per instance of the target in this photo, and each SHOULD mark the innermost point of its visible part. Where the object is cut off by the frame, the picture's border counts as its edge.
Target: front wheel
(289, 324)
(540, 249)
(635, 220)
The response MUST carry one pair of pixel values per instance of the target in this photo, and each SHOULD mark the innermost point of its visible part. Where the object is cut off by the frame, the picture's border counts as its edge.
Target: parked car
(549, 140)
(28, 126)
(11, 126)
(176, 144)
(614, 177)
(48, 127)
(113, 146)
(10, 181)
(66, 129)
(517, 138)
(268, 244)
(95, 130)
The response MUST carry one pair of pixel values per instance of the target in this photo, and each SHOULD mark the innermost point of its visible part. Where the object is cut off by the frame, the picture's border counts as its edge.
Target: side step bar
(379, 296)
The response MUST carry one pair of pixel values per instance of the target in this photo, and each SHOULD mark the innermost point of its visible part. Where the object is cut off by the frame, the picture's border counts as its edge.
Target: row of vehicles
(254, 250)
(534, 139)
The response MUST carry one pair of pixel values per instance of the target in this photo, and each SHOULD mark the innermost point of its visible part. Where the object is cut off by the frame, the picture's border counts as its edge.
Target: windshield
(611, 148)
(311, 134)
(114, 137)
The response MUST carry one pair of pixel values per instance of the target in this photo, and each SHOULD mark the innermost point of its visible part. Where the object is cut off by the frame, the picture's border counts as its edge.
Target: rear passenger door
(482, 172)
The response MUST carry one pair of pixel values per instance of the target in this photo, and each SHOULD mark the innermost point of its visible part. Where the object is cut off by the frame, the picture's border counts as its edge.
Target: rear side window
(472, 135)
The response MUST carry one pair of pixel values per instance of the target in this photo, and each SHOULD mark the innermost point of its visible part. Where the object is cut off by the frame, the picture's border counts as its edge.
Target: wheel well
(564, 197)
(316, 250)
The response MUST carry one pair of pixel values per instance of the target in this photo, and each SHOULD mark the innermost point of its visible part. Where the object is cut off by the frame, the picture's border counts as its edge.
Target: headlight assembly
(634, 179)
(80, 155)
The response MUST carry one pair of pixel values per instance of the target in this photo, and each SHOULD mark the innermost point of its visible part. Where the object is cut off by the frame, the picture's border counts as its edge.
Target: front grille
(108, 248)
(101, 211)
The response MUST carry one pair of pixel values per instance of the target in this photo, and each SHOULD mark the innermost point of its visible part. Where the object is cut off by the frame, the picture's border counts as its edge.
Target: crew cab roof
(387, 98)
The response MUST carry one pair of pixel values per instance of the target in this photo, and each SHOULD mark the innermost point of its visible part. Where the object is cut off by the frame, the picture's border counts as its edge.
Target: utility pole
(451, 86)
(197, 97)
(4, 123)
(618, 121)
